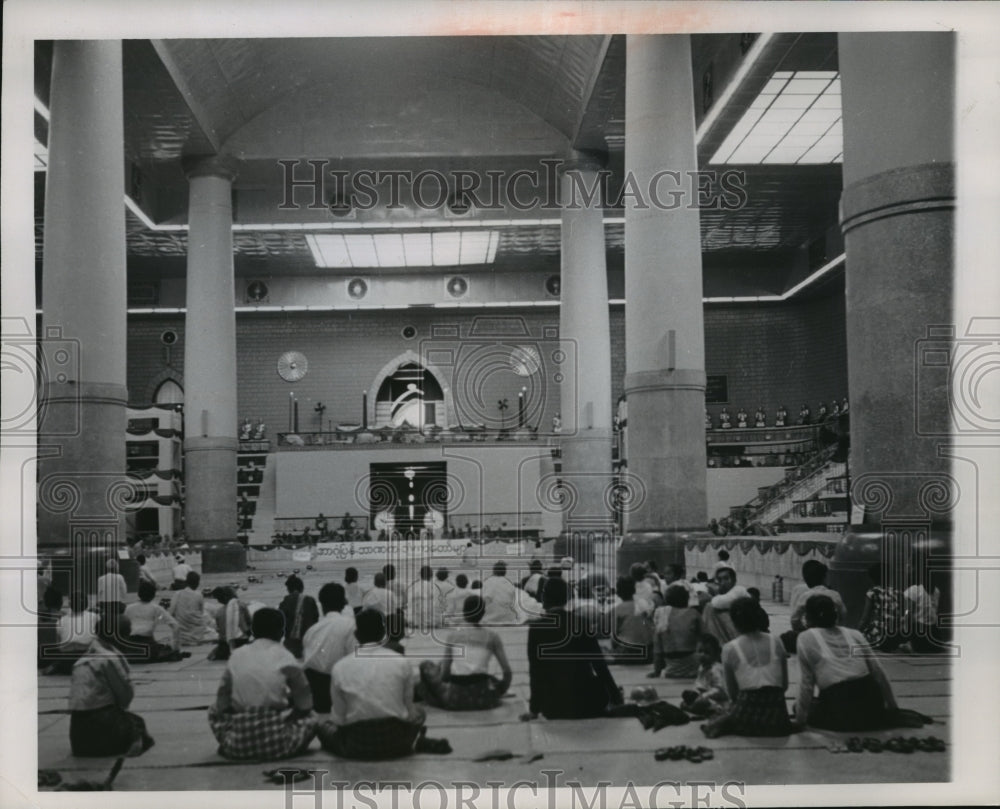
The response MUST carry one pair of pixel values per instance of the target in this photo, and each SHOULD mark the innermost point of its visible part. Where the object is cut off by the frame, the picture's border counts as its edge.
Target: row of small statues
(835, 410)
(252, 432)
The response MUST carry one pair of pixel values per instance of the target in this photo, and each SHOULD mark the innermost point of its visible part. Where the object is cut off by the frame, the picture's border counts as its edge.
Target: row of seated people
(742, 419)
(272, 694)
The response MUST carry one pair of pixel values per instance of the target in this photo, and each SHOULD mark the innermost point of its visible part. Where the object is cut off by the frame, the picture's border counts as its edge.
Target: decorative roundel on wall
(357, 288)
(553, 285)
(292, 366)
(256, 291)
(168, 337)
(408, 332)
(457, 286)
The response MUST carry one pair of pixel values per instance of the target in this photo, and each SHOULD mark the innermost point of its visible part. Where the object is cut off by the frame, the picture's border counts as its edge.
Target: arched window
(410, 396)
(169, 392)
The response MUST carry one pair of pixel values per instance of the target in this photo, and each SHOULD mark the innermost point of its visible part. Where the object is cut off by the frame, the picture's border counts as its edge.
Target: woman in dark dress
(568, 676)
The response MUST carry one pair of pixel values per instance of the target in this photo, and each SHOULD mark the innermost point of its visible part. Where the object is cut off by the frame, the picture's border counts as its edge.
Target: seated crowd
(336, 670)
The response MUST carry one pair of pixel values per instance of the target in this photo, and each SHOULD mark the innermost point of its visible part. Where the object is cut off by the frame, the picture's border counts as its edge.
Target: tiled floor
(173, 698)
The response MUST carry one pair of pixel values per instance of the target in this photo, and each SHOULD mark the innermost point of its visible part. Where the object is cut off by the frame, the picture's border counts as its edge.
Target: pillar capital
(224, 166)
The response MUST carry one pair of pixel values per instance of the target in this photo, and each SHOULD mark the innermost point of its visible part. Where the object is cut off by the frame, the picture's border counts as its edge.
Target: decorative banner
(301, 556)
(747, 545)
(702, 544)
(782, 547)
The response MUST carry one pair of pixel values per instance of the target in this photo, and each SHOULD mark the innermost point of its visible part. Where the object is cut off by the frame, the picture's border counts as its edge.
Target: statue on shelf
(760, 418)
(556, 423)
(259, 431)
(708, 420)
(805, 415)
(843, 406)
(780, 416)
(245, 429)
(741, 418)
(834, 409)
(724, 419)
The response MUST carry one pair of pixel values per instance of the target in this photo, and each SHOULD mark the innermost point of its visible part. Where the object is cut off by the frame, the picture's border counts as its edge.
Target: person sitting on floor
(921, 601)
(326, 642)
(455, 605)
(395, 587)
(47, 620)
(373, 715)
(395, 631)
(232, 622)
(709, 696)
(756, 669)
(263, 709)
(76, 632)
(462, 681)
(422, 600)
(300, 613)
(715, 616)
(444, 589)
(534, 577)
(143, 615)
(188, 608)
(352, 589)
(568, 676)
(111, 589)
(144, 572)
(676, 629)
(99, 696)
(882, 618)
(379, 597)
(814, 583)
(181, 570)
(500, 597)
(632, 638)
(854, 693)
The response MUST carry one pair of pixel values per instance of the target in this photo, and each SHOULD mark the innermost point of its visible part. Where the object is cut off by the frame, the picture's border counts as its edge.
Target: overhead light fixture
(796, 119)
(449, 248)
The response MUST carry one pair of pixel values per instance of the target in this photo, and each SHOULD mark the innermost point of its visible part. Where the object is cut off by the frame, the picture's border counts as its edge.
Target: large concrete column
(82, 421)
(210, 436)
(585, 391)
(664, 324)
(897, 215)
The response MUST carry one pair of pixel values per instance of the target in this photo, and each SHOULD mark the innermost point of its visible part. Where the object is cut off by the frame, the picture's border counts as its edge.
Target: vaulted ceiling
(443, 104)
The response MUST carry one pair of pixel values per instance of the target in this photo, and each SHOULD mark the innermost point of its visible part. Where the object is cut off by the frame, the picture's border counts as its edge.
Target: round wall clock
(292, 366)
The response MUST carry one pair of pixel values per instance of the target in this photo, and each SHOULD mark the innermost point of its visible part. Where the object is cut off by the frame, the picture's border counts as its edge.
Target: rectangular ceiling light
(438, 249)
(795, 119)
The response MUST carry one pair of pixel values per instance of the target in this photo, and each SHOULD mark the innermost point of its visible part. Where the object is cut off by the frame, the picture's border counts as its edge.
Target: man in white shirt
(181, 570)
(456, 598)
(500, 597)
(379, 598)
(814, 584)
(327, 642)
(111, 589)
(422, 600)
(373, 714)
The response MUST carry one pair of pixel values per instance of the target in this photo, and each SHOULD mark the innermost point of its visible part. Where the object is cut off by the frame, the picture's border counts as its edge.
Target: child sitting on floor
(676, 627)
(709, 696)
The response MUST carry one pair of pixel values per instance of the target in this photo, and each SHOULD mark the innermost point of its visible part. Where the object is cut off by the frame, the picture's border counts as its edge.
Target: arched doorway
(407, 392)
(169, 391)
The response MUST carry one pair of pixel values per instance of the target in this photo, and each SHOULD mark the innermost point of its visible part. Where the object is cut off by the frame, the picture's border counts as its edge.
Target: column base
(894, 547)
(222, 557)
(663, 547)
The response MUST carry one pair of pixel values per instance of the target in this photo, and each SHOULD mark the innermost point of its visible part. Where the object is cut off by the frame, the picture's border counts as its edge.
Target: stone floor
(173, 698)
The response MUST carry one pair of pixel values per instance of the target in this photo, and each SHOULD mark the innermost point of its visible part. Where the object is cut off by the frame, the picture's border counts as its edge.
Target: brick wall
(775, 354)
(772, 354)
